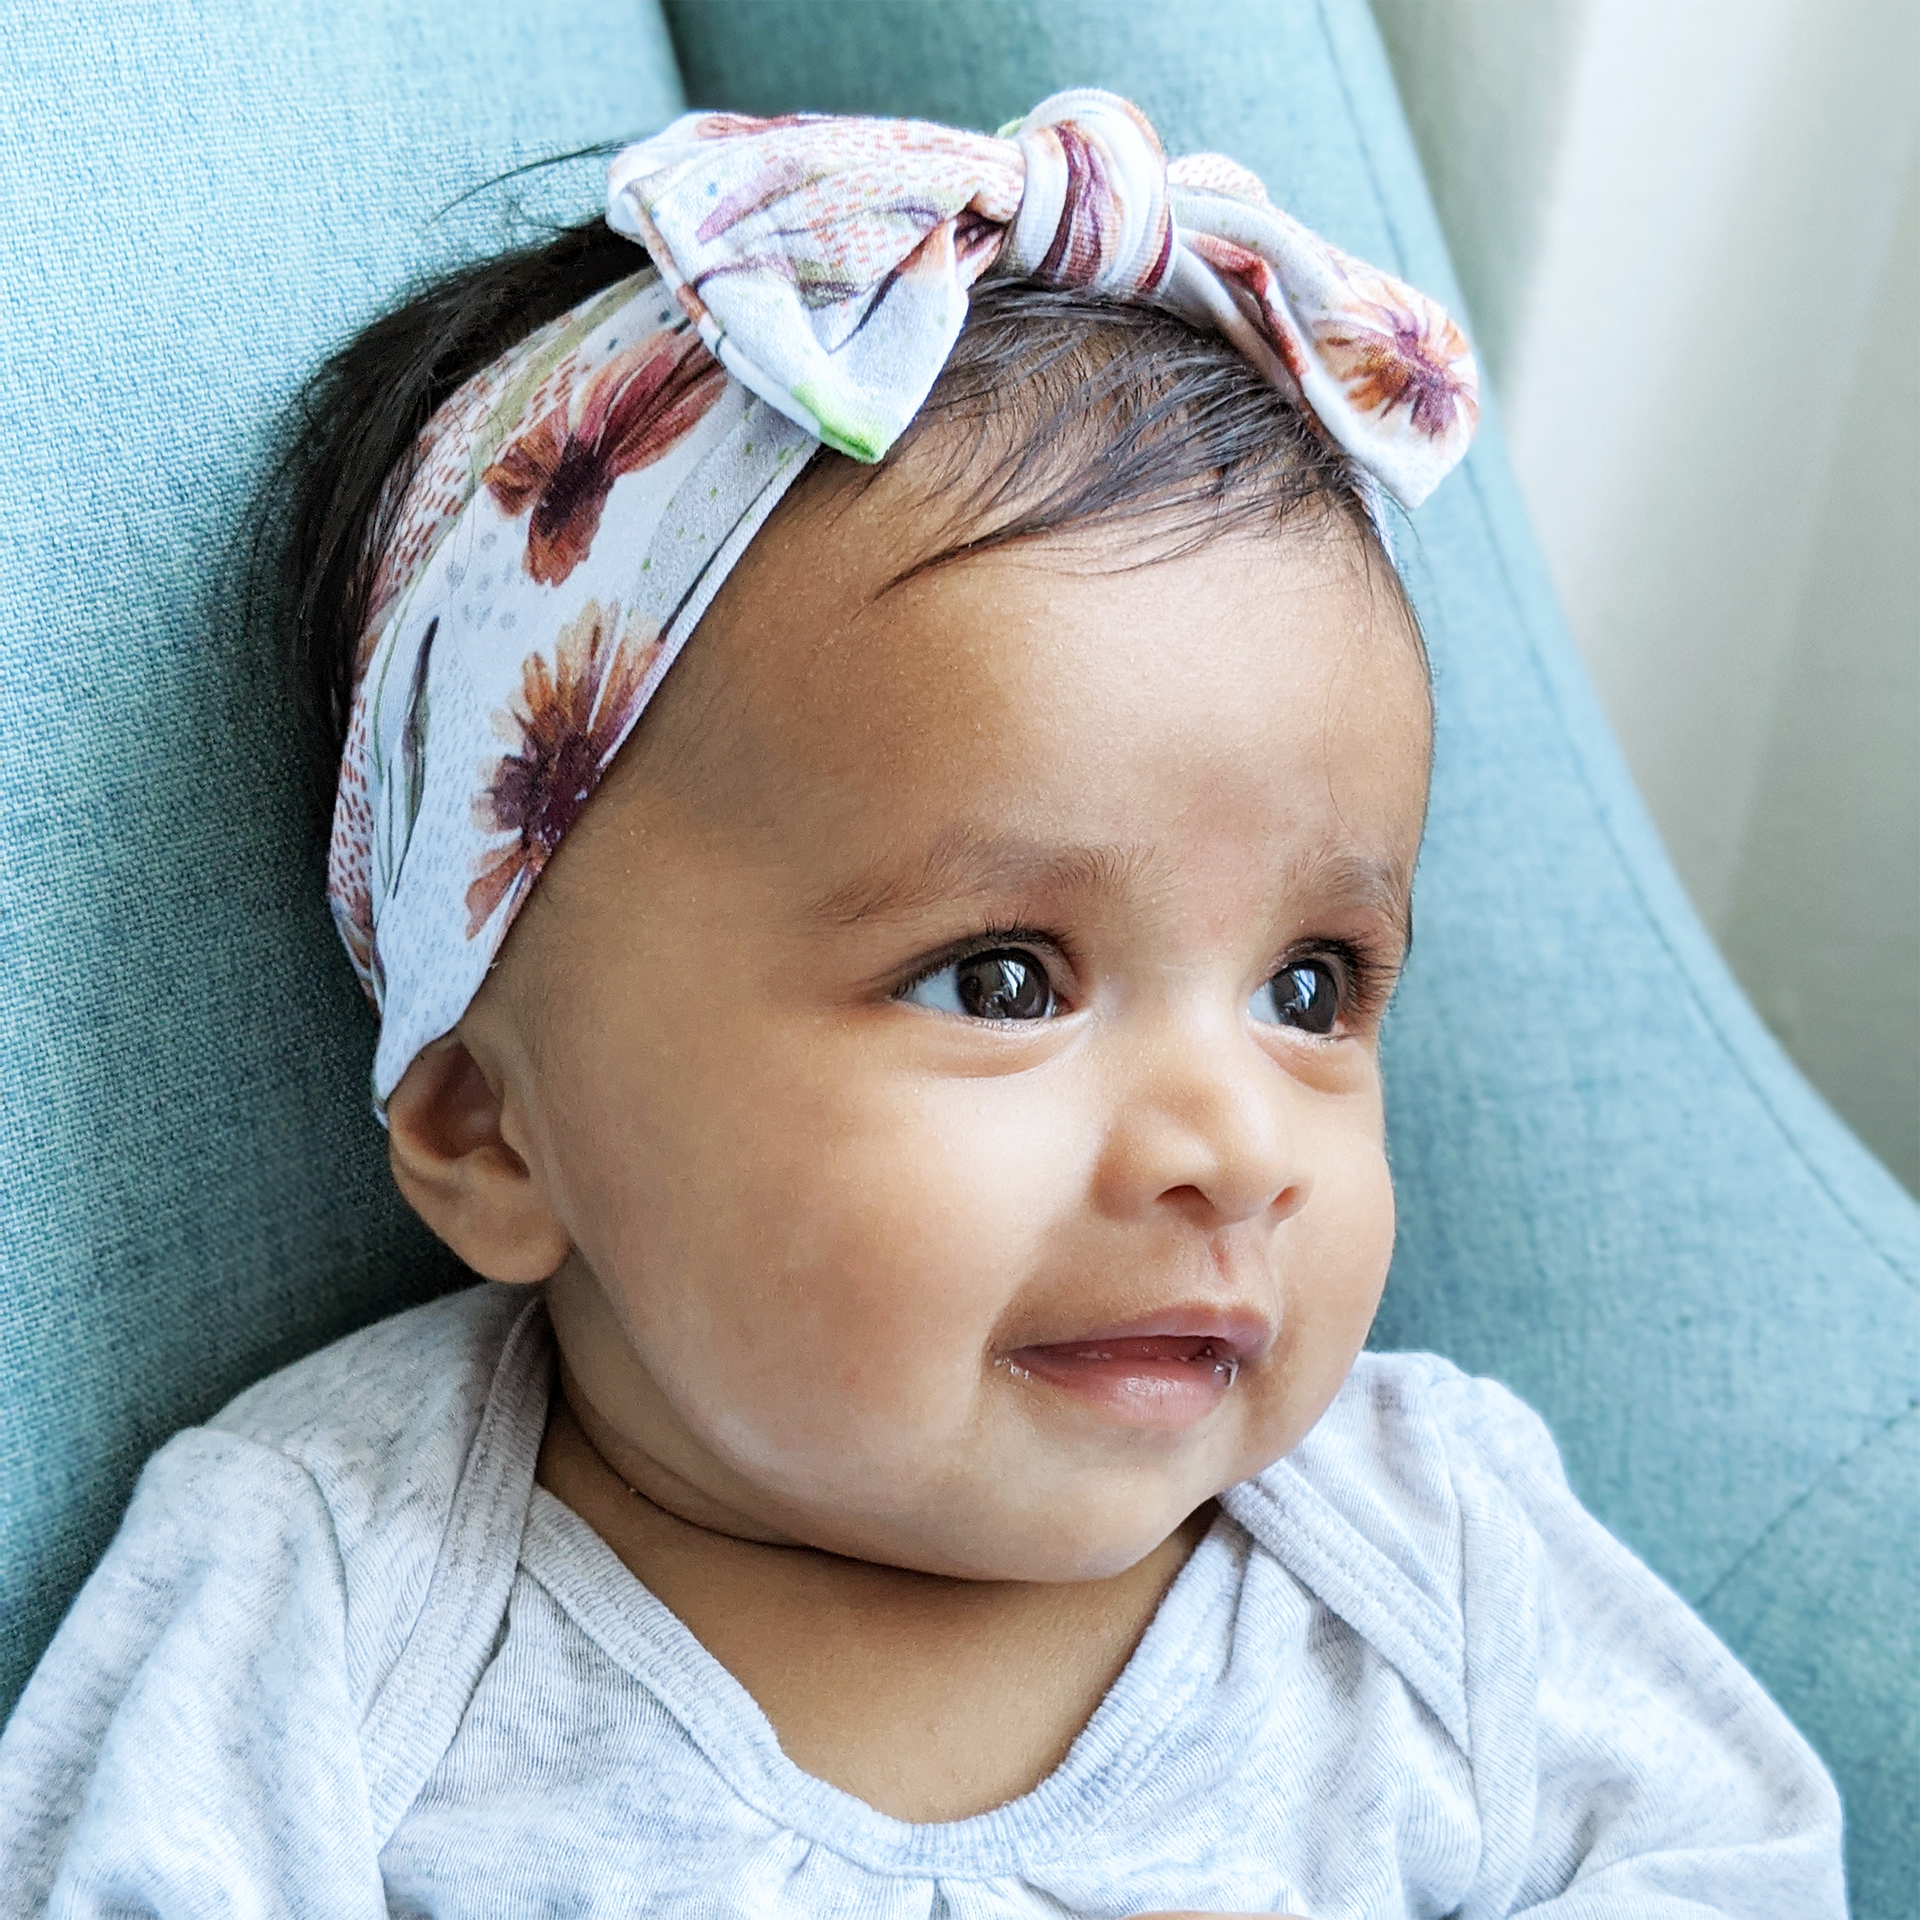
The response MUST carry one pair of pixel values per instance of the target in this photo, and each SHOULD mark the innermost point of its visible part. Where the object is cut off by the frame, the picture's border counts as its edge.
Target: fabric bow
(826, 263)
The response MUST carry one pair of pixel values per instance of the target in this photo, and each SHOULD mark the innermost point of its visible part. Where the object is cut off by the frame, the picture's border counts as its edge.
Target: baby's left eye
(1304, 996)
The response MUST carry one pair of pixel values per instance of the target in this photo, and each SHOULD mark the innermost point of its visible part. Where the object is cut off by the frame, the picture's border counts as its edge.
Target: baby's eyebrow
(1379, 887)
(965, 862)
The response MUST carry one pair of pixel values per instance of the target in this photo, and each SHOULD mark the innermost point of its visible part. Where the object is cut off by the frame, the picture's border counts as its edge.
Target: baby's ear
(452, 1161)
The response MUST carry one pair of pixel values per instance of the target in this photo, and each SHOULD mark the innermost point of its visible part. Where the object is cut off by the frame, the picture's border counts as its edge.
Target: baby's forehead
(850, 594)
(1250, 693)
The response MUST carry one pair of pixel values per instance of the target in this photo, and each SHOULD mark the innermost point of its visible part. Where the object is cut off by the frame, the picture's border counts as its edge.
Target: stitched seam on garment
(1504, 1836)
(287, 1466)
(1312, 1539)
(413, 1719)
(1100, 1801)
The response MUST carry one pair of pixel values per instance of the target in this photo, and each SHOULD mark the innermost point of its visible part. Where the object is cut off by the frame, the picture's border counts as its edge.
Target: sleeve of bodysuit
(1626, 1765)
(188, 1744)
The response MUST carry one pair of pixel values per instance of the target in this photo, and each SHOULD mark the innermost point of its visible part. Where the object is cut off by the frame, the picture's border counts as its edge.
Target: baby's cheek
(892, 1242)
(1333, 1267)
(1347, 1236)
(1365, 1223)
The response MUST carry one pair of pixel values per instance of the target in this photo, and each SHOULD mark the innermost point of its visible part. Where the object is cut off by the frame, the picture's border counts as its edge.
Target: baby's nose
(1207, 1126)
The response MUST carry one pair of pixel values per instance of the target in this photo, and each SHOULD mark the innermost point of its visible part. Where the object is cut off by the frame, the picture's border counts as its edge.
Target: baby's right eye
(1004, 983)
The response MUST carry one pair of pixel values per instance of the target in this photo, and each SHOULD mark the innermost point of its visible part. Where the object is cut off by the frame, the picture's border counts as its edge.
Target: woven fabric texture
(1615, 1193)
(196, 201)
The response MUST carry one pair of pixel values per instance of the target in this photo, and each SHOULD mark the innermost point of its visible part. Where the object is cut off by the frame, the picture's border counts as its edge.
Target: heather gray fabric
(346, 1659)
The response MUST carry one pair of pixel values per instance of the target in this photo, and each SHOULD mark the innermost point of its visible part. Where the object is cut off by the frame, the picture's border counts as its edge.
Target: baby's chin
(1040, 1526)
(1031, 1484)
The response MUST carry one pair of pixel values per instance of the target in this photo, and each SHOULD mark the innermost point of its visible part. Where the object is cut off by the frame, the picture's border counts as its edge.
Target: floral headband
(575, 507)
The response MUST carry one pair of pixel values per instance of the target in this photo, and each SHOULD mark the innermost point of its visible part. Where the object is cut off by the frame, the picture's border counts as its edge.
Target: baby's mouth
(1166, 1379)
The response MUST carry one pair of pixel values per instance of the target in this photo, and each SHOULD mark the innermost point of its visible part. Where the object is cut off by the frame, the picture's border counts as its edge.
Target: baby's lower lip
(1152, 1380)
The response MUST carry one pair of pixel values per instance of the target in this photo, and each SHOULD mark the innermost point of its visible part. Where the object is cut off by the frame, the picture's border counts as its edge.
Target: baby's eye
(1005, 983)
(1304, 996)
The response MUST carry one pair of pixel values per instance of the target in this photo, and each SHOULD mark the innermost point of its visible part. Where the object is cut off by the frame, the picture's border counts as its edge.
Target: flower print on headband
(634, 408)
(563, 723)
(1388, 354)
(572, 510)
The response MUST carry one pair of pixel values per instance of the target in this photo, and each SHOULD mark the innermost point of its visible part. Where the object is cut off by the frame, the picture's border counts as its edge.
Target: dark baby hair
(1057, 411)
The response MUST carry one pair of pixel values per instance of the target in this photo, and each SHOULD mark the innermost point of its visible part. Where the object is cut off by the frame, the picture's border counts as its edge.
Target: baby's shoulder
(1418, 1430)
(383, 1420)
(1410, 1455)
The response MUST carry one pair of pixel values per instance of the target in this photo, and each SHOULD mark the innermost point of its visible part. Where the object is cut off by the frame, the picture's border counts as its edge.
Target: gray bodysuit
(346, 1660)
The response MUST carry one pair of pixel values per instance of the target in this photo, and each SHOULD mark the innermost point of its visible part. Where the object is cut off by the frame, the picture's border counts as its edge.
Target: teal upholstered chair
(1615, 1193)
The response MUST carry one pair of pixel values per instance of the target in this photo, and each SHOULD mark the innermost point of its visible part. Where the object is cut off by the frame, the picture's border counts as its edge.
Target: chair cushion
(196, 202)
(1615, 1193)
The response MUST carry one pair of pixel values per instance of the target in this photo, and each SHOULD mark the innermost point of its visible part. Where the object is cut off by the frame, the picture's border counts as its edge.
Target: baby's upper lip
(1241, 1333)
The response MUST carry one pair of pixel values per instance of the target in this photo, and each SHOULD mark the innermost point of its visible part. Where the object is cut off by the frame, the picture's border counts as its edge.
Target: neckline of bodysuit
(1109, 1760)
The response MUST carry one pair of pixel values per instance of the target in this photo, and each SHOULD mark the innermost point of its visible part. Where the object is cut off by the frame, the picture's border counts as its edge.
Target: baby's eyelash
(982, 940)
(1367, 977)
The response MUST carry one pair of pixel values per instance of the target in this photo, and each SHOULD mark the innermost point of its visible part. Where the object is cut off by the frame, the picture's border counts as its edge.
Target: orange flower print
(1393, 349)
(629, 413)
(564, 725)
(1235, 263)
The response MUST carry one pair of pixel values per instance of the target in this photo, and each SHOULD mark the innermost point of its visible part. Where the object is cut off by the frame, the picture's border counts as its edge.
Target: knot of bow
(827, 263)
(1093, 211)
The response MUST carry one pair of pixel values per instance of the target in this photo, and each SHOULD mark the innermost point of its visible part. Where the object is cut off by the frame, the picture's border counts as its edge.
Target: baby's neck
(928, 1698)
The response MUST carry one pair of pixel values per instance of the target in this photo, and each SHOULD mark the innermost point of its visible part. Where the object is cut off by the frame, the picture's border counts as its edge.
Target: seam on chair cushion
(1734, 1050)
(1793, 1506)
(1357, 121)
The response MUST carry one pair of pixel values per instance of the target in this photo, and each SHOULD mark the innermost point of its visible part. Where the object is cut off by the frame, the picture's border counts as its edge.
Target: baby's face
(948, 1041)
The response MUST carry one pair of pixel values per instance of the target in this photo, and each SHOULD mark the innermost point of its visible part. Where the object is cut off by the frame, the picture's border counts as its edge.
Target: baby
(922, 1137)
